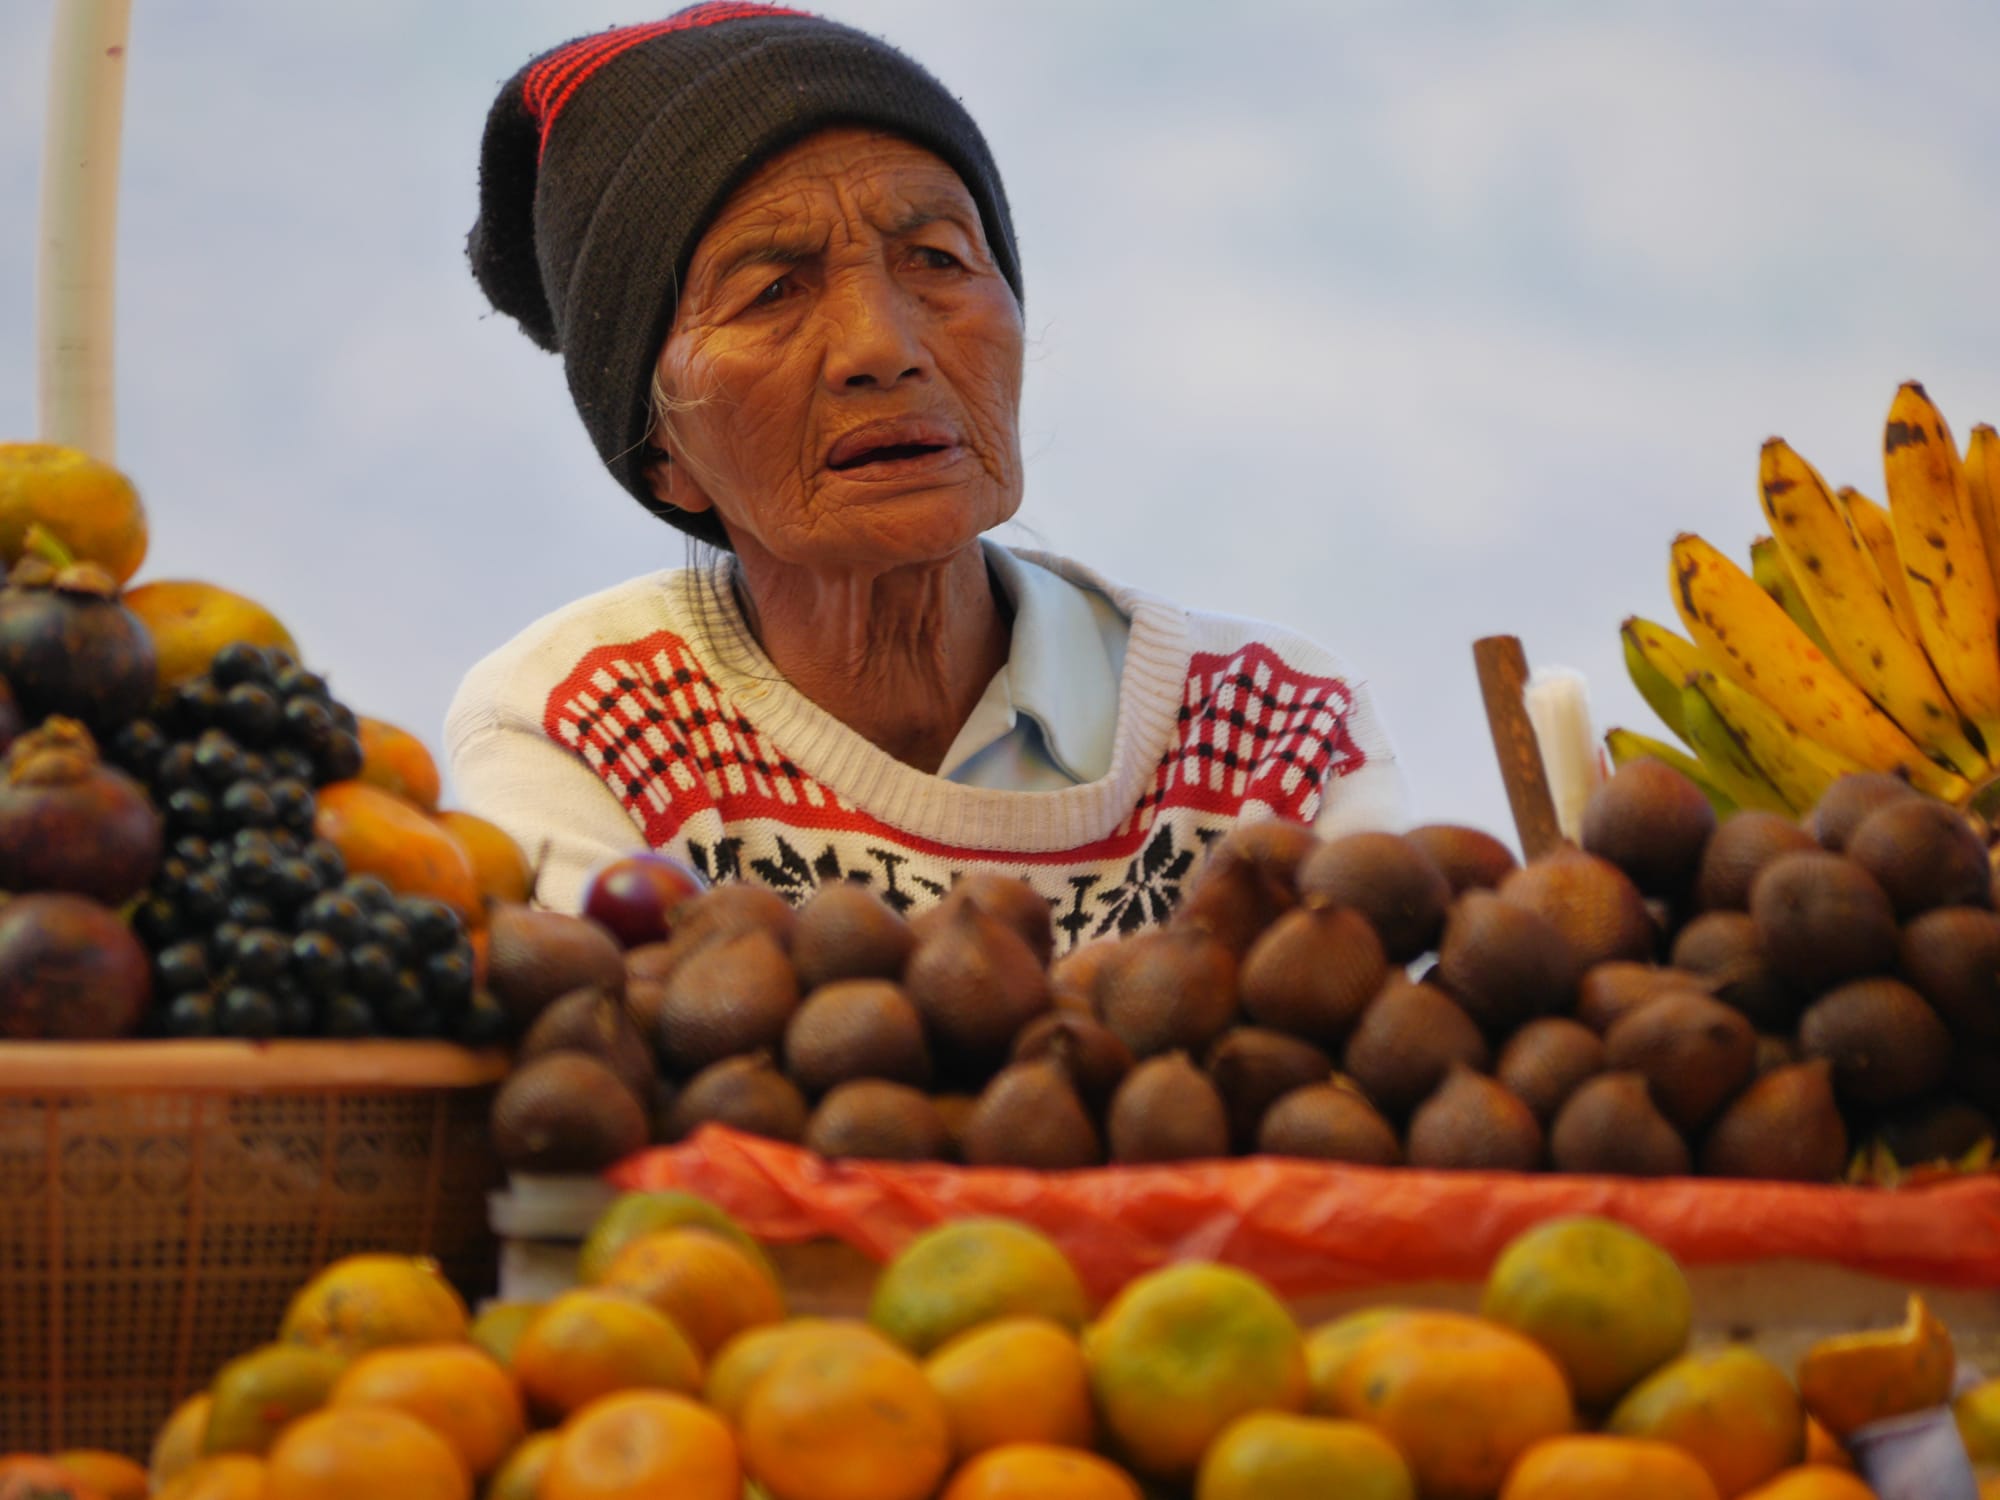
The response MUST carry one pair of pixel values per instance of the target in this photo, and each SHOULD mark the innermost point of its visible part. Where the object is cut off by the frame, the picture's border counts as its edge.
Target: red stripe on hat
(555, 79)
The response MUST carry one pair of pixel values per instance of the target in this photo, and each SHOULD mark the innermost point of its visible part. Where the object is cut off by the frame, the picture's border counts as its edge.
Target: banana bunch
(1862, 637)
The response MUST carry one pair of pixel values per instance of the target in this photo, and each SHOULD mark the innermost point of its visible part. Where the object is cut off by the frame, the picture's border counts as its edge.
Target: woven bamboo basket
(161, 1201)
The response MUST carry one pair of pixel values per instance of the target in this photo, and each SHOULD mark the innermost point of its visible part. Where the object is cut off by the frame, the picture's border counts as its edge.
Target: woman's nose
(870, 332)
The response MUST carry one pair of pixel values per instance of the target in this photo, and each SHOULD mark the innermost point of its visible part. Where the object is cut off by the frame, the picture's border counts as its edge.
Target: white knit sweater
(646, 715)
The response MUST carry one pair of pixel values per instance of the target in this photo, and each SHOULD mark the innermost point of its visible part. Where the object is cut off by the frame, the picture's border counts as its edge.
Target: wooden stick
(1503, 681)
(80, 224)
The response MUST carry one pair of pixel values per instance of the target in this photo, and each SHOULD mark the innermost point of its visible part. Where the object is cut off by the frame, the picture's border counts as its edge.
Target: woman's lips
(892, 446)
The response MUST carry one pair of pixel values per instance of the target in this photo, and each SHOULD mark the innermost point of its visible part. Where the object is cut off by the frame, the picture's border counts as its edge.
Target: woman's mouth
(888, 448)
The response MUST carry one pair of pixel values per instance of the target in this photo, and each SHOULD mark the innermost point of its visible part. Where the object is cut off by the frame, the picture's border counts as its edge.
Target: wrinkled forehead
(888, 179)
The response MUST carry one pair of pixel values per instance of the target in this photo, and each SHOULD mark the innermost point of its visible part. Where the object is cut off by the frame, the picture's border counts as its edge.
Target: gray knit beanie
(604, 161)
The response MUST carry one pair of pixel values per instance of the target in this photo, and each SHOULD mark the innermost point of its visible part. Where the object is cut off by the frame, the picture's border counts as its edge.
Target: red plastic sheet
(1310, 1229)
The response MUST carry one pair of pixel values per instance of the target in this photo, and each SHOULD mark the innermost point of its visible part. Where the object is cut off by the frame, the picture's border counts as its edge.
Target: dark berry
(247, 1012)
(373, 968)
(195, 708)
(138, 747)
(157, 921)
(172, 874)
(405, 1008)
(339, 759)
(260, 956)
(297, 1014)
(240, 662)
(432, 924)
(327, 860)
(222, 942)
(254, 864)
(294, 882)
(308, 722)
(182, 967)
(251, 910)
(256, 766)
(344, 718)
(338, 915)
(296, 682)
(190, 1015)
(371, 892)
(483, 1022)
(448, 978)
(347, 1016)
(293, 800)
(251, 711)
(175, 769)
(392, 932)
(248, 805)
(295, 764)
(204, 897)
(318, 963)
(192, 849)
(218, 758)
(191, 811)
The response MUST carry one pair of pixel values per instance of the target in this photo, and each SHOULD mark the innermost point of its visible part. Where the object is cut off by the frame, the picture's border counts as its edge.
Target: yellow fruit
(1978, 1414)
(1812, 1482)
(844, 1420)
(1271, 1456)
(1608, 1303)
(748, 1357)
(590, 1343)
(358, 1452)
(112, 1475)
(369, 1301)
(711, 1289)
(227, 1476)
(456, 1390)
(1036, 1471)
(259, 1393)
(178, 1443)
(87, 506)
(1017, 1380)
(1854, 1379)
(634, 1214)
(641, 1444)
(1460, 1397)
(1595, 1468)
(1331, 1345)
(1731, 1408)
(1183, 1352)
(191, 621)
(969, 1272)
(520, 1477)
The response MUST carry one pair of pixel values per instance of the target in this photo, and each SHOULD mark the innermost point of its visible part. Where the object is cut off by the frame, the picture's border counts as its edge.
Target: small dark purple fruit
(67, 646)
(69, 822)
(69, 971)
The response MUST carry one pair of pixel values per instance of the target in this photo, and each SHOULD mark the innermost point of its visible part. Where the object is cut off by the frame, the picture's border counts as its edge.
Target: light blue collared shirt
(1048, 717)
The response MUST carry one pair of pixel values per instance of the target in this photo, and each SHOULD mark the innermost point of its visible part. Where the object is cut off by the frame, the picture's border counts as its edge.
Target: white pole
(80, 224)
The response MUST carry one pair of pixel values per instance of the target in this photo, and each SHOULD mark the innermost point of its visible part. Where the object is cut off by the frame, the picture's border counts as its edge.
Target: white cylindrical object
(79, 231)
(1559, 708)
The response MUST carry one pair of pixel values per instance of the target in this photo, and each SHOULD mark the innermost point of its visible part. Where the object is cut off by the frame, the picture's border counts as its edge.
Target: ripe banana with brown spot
(1845, 594)
(1937, 537)
(1774, 576)
(1982, 488)
(1659, 663)
(1870, 520)
(1625, 746)
(1724, 755)
(1754, 644)
(1800, 770)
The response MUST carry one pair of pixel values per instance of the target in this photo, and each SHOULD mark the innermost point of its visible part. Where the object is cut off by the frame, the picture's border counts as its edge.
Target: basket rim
(241, 1067)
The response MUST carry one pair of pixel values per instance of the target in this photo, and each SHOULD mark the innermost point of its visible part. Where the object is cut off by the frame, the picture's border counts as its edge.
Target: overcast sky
(1399, 323)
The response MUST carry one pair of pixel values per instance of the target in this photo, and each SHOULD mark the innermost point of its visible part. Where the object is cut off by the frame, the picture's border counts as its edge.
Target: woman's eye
(772, 293)
(934, 259)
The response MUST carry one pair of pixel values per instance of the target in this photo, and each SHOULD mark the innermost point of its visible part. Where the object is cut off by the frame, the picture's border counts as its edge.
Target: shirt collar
(1057, 671)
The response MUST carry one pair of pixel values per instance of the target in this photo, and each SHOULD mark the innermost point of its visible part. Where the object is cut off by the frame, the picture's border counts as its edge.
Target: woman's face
(845, 364)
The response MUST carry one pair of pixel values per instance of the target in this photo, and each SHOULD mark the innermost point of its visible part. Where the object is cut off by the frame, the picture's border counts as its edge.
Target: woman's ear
(672, 485)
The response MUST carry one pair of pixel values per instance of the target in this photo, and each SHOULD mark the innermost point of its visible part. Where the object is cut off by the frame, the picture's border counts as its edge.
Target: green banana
(1659, 663)
(1767, 566)
(1799, 770)
(1724, 757)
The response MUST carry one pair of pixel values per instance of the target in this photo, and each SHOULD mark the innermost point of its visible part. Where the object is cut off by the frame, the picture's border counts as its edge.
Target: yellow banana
(1982, 488)
(1800, 770)
(1723, 754)
(1626, 747)
(1844, 592)
(1951, 581)
(1659, 664)
(1774, 576)
(1754, 644)
(1870, 521)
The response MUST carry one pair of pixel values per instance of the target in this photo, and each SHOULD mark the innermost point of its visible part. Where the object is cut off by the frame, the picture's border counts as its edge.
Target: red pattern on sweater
(648, 719)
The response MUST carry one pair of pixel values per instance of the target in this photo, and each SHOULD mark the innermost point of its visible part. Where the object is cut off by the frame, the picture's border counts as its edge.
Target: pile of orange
(983, 1373)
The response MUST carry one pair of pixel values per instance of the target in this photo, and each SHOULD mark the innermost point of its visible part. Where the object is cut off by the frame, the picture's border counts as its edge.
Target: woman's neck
(899, 656)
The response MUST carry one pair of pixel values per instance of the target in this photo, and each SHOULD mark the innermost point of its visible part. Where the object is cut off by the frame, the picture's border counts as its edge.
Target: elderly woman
(775, 256)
